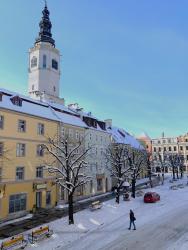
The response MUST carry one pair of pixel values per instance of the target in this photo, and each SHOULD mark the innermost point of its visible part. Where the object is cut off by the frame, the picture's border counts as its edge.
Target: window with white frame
(1, 175)
(70, 133)
(1, 121)
(40, 150)
(20, 149)
(33, 62)
(17, 202)
(1, 148)
(21, 125)
(77, 135)
(19, 173)
(40, 129)
(44, 61)
(39, 172)
(99, 184)
(62, 131)
(54, 64)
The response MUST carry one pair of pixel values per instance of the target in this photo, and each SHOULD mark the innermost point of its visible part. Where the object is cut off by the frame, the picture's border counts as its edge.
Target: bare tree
(69, 165)
(149, 162)
(176, 162)
(117, 163)
(162, 162)
(137, 162)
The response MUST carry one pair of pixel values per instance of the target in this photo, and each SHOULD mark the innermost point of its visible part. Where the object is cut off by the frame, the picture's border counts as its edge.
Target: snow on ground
(87, 223)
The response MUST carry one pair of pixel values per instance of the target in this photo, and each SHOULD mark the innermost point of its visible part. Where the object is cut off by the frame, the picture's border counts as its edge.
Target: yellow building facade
(25, 185)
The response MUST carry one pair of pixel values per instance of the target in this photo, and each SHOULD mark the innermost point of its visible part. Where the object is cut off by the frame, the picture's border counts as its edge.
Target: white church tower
(44, 64)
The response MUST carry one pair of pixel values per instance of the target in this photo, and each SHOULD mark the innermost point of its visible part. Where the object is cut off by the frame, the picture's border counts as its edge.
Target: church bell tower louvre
(44, 63)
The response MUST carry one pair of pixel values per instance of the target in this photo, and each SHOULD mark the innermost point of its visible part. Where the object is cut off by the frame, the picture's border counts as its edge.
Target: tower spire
(45, 25)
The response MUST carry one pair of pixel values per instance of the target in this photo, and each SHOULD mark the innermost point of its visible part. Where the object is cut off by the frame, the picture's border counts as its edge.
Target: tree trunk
(133, 187)
(162, 178)
(177, 173)
(150, 181)
(173, 172)
(117, 195)
(71, 218)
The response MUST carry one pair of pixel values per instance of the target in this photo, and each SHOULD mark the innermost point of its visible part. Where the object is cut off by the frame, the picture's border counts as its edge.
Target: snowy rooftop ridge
(121, 136)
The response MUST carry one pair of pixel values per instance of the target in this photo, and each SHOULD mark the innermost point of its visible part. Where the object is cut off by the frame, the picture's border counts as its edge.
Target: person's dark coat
(132, 218)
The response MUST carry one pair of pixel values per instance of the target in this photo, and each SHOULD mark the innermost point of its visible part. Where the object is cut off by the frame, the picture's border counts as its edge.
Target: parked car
(150, 197)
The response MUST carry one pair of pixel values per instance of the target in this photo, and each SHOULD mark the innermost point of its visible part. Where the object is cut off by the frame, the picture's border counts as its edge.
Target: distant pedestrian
(132, 220)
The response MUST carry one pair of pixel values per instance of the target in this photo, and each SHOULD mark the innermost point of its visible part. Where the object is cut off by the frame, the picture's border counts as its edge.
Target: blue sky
(121, 59)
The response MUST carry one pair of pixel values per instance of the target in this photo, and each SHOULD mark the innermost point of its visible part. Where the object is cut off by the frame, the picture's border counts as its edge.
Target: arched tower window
(44, 61)
(33, 62)
(54, 64)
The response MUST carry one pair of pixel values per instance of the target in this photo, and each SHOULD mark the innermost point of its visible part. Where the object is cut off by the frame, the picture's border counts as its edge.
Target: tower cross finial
(45, 3)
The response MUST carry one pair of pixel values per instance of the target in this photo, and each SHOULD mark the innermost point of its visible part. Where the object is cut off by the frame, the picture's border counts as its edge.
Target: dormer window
(16, 100)
(54, 64)
(33, 62)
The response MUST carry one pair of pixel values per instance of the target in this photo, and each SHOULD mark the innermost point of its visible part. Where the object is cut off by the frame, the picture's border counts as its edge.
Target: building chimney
(108, 123)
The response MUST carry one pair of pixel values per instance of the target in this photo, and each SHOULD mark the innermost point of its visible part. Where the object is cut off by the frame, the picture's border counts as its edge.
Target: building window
(21, 125)
(62, 131)
(1, 175)
(174, 148)
(40, 129)
(77, 135)
(39, 172)
(159, 142)
(40, 151)
(159, 149)
(48, 198)
(181, 148)
(33, 62)
(17, 202)
(164, 141)
(54, 64)
(154, 149)
(1, 148)
(170, 149)
(80, 190)
(19, 173)
(101, 151)
(186, 147)
(70, 133)
(20, 149)
(164, 148)
(1, 122)
(169, 140)
(16, 100)
(44, 61)
(99, 184)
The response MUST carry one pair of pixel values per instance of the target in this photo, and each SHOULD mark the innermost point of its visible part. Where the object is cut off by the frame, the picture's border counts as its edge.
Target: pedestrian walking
(132, 220)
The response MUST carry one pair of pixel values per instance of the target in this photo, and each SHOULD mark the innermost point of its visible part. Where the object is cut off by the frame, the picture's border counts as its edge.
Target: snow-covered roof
(40, 109)
(121, 136)
(27, 107)
(70, 119)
